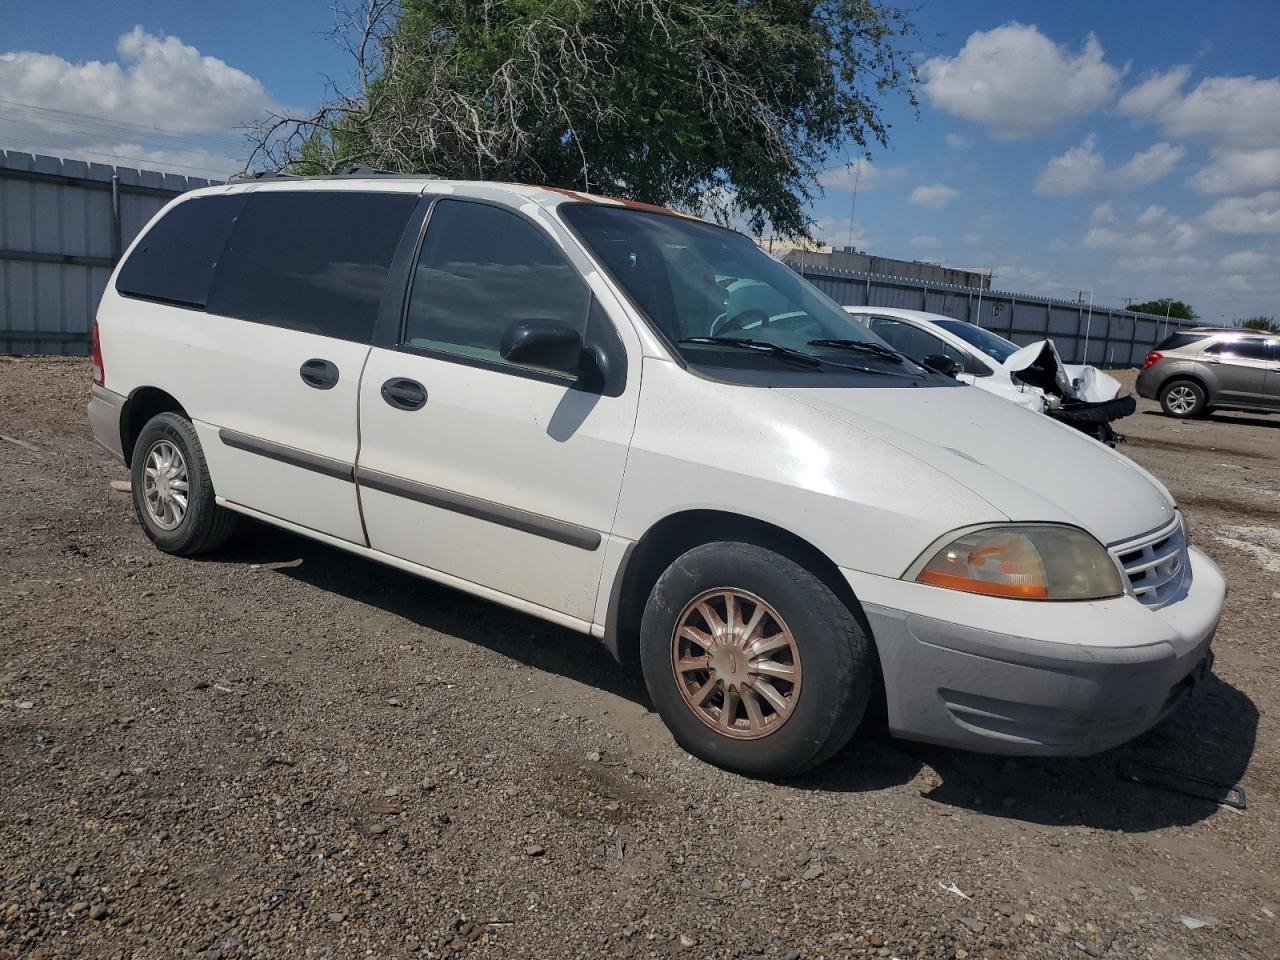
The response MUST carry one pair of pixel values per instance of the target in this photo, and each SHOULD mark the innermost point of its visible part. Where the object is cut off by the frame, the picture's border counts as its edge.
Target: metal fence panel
(1109, 337)
(59, 238)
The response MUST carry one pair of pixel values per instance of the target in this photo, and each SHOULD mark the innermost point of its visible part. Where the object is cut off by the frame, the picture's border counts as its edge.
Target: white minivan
(544, 398)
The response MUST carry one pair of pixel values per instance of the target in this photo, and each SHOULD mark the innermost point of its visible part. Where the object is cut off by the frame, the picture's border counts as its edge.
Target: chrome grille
(1156, 565)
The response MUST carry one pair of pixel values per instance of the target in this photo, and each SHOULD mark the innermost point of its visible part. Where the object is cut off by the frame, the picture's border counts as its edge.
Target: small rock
(687, 941)
(973, 923)
(747, 884)
(80, 907)
(813, 872)
(200, 685)
(428, 784)
(1005, 908)
(791, 955)
(23, 704)
(393, 702)
(337, 916)
(1139, 893)
(378, 828)
(534, 850)
(803, 858)
(594, 756)
(98, 911)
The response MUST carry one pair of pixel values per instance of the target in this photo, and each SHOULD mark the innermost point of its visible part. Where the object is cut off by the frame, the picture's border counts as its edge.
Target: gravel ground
(285, 751)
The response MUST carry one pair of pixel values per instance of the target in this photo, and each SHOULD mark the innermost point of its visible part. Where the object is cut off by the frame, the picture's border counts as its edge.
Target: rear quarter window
(1177, 340)
(175, 259)
(311, 260)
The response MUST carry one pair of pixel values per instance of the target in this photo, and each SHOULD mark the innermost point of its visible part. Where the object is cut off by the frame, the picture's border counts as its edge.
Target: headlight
(1026, 562)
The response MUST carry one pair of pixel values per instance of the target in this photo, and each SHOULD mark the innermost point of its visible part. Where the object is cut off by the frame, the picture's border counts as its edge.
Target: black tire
(835, 657)
(205, 526)
(1173, 393)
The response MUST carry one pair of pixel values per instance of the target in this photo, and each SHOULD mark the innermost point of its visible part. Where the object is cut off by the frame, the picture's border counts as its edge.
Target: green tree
(1265, 324)
(729, 108)
(1165, 307)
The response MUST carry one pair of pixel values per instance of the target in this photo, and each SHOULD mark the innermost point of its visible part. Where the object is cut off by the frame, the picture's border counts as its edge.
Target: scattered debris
(973, 923)
(952, 888)
(594, 756)
(620, 848)
(1195, 923)
(534, 850)
(122, 486)
(20, 443)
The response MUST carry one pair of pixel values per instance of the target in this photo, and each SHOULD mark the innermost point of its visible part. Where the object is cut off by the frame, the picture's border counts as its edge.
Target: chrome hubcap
(1181, 399)
(164, 485)
(736, 663)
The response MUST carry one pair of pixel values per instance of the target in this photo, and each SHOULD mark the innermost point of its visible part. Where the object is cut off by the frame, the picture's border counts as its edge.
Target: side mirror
(941, 363)
(543, 343)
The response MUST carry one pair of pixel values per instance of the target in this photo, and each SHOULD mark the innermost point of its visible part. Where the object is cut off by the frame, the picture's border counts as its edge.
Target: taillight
(1153, 358)
(99, 373)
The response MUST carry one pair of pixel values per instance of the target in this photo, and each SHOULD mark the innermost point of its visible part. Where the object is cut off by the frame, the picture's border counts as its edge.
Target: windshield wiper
(862, 346)
(759, 346)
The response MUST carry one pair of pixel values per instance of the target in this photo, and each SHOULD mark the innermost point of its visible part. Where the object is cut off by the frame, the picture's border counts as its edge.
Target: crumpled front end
(1081, 396)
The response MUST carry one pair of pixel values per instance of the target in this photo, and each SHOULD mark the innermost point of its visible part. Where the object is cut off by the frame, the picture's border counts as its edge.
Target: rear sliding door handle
(404, 394)
(320, 374)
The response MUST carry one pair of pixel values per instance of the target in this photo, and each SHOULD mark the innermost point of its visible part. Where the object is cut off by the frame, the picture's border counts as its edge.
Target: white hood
(1027, 466)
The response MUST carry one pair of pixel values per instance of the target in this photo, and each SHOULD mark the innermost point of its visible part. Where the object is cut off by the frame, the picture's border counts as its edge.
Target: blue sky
(1128, 148)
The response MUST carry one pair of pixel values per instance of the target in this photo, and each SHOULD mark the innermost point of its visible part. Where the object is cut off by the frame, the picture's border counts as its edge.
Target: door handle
(320, 374)
(404, 394)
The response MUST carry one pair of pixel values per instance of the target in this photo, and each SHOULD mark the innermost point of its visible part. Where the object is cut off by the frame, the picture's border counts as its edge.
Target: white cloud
(933, 195)
(1240, 111)
(958, 141)
(1238, 172)
(1159, 231)
(1082, 169)
(1246, 215)
(836, 232)
(1102, 214)
(925, 242)
(197, 102)
(1016, 81)
(1244, 261)
(862, 172)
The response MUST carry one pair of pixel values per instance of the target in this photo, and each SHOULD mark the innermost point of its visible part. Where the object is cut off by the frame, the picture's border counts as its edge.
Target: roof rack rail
(350, 170)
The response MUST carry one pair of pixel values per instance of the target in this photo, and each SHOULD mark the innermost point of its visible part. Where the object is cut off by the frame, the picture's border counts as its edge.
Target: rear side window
(1243, 349)
(174, 260)
(311, 261)
(1177, 340)
(482, 269)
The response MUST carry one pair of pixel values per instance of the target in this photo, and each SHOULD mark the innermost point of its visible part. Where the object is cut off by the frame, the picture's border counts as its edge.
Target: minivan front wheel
(172, 494)
(752, 662)
(1183, 399)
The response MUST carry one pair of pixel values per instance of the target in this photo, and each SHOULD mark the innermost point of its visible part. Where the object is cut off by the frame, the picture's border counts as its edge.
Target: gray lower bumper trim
(1002, 694)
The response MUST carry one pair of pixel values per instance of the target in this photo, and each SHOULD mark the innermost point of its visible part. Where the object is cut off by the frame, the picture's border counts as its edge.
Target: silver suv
(1196, 371)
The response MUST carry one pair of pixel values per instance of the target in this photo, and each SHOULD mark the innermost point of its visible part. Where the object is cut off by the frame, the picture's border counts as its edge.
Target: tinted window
(914, 342)
(174, 260)
(481, 270)
(1241, 349)
(1175, 340)
(311, 261)
(995, 347)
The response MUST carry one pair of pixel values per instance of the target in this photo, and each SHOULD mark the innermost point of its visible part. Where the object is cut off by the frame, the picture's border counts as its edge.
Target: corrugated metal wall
(1116, 338)
(60, 235)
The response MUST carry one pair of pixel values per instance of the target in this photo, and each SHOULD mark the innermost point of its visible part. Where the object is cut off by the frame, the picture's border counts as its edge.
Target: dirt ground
(284, 751)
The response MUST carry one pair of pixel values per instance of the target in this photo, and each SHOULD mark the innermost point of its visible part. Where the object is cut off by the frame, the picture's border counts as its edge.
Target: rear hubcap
(164, 485)
(736, 663)
(1181, 399)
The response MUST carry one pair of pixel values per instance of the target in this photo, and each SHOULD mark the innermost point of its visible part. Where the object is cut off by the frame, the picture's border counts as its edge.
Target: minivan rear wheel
(172, 494)
(753, 663)
(1184, 399)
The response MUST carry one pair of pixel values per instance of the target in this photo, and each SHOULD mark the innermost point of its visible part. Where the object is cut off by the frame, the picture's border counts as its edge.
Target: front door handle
(404, 394)
(320, 374)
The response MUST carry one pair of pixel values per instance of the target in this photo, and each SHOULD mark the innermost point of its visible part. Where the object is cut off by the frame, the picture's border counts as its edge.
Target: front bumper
(1020, 677)
(105, 410)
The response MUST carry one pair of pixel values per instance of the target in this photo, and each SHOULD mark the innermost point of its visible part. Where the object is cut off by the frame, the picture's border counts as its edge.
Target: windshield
(702, 285)
(998, 348)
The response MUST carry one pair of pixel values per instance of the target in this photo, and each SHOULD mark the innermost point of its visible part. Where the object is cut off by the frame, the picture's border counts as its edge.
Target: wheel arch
(673, 535)
(143, 404)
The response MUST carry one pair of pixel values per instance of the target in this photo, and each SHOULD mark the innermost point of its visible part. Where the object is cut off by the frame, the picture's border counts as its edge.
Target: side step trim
(583, 538)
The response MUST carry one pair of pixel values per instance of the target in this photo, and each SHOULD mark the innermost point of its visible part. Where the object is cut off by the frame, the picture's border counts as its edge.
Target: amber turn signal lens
(1032, 562)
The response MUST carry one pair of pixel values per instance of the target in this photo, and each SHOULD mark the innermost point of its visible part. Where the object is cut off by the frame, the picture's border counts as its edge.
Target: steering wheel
(741, 321)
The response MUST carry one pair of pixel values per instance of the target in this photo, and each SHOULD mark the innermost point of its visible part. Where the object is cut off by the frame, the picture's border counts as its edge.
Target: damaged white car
(1033, 376)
